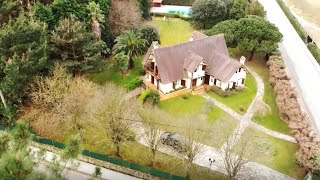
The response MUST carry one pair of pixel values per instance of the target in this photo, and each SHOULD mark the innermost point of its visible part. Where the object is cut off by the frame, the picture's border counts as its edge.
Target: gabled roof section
(149, 52)
(170, 60)
(196, 35)
(192, 61)
(221, 66)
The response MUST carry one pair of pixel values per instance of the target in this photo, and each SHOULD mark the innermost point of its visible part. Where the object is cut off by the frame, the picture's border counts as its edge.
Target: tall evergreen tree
(23, 55)
(77, 47)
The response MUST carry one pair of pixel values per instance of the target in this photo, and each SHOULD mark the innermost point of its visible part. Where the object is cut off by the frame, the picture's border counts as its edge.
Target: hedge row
(293, 20)
(170, 15)
(291, 112)
(179, 2)
(315, 51)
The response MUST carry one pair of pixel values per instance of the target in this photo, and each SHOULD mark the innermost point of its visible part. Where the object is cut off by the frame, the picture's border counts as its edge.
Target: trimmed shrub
(218, 91)
(134, 83)
(169, 15)
(150, 97)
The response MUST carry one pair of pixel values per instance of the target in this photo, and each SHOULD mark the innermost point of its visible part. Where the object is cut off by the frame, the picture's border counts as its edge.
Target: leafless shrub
(191, 148)
(153, 120)
(290, 111)
(60, 102)
(113, 115)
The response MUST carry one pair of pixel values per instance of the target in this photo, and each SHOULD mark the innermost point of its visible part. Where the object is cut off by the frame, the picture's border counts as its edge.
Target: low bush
(315, 51)
(185, 97)
(150, 97)
(291, 112)
(218, 91)
(134, 83)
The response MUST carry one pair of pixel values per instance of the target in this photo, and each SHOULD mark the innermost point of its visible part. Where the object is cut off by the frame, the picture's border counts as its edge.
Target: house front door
(194, 82)
(152, 80)
(234, 85)
(173, 85)
(207, 79)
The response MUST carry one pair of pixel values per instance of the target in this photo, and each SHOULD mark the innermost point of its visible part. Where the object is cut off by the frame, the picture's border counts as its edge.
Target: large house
(204, 60)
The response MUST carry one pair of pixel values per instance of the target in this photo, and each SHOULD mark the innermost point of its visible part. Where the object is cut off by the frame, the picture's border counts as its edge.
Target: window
(204, 67)
(196, 70)
(239, 69)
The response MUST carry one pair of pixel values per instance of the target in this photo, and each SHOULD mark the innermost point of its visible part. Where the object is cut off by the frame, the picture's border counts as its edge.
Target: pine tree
(77, 47)
(23, 55)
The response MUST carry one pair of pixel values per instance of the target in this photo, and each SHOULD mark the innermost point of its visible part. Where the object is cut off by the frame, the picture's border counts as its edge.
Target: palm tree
(130, 43)
(97, 17)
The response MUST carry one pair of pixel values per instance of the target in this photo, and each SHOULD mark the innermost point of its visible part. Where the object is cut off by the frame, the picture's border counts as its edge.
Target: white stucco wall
(237, 77)
(165, 88)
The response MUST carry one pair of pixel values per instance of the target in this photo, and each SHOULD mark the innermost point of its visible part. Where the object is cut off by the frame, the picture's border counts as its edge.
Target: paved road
(301, 64)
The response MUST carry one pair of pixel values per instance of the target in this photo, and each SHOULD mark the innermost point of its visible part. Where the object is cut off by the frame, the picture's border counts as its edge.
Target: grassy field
(272, 120)
(240, 99)
(215, 123)
(174, 31)
(307, 9)
(274, 153)
(111, 73)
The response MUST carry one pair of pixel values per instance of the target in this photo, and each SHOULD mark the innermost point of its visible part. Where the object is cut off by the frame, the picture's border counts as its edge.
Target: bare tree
(234, 158)
(152, 119)
(191, 148)
(239, 149)
(124, 15)
(113, 114)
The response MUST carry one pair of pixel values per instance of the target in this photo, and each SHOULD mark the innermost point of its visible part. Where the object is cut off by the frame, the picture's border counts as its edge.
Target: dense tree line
(207, 13)
(76, 33)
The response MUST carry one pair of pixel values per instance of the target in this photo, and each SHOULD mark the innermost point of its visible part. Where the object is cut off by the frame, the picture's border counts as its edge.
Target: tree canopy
(206, 13)
(77, 47)
(131, 44)
(256, 34)
(225, 27)
(23, 55)
(239, 9)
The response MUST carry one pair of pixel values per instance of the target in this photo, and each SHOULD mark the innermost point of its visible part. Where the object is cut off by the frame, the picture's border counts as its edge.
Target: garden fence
(113, 160)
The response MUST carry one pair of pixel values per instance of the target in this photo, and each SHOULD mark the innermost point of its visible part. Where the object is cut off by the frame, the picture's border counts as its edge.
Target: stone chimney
(242, 60)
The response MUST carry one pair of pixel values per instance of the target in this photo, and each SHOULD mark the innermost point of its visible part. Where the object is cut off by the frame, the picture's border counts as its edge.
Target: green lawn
(174, 31)
(272, 120)
(274, 153)
(240, 99)
(215, 123)
(111, 73)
